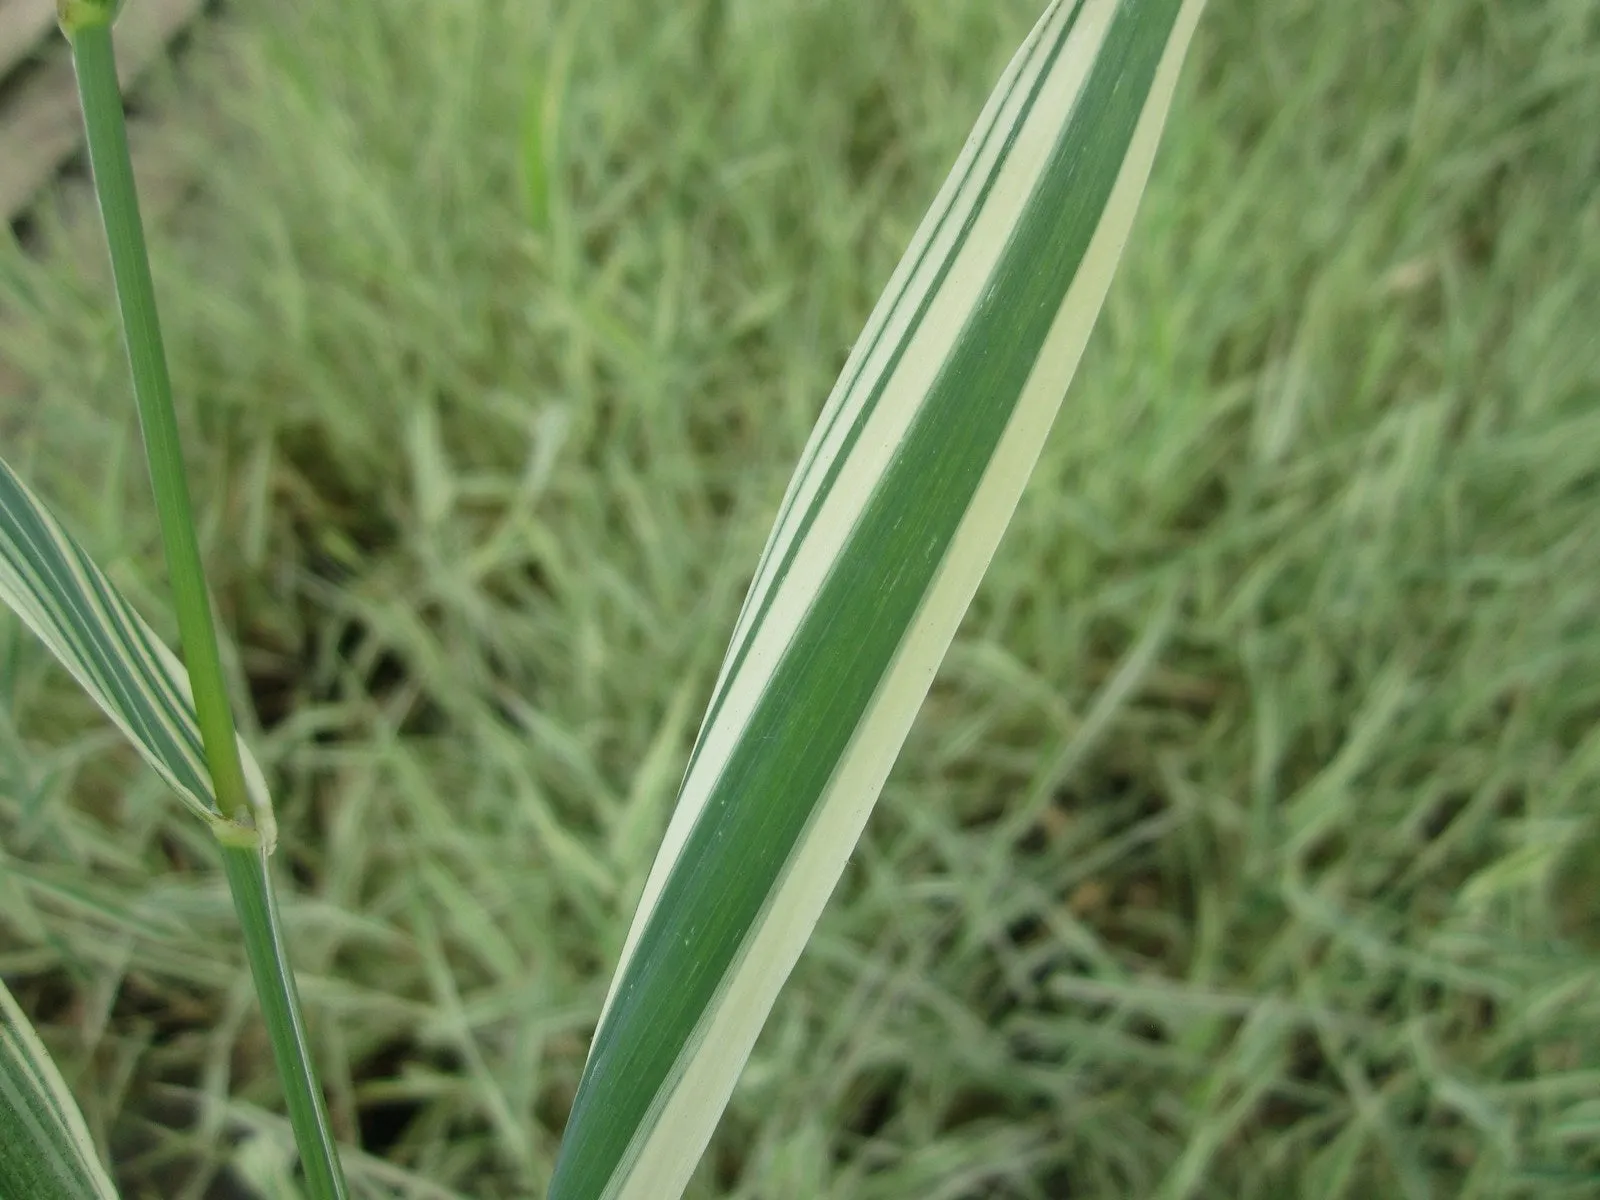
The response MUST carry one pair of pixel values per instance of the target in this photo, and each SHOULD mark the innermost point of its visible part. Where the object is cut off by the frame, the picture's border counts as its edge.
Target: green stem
(253, 899)
(89, 31)
(152, 388)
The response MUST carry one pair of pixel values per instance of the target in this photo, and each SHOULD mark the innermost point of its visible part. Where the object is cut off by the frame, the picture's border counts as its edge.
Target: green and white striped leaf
(901, 495)
(48, 580)
(45, 1149)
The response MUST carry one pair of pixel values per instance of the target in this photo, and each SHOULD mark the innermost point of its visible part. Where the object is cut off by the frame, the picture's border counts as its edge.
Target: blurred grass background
(1247, 846)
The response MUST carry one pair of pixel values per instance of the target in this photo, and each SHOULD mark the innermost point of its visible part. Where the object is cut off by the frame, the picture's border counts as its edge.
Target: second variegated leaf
(49, 581)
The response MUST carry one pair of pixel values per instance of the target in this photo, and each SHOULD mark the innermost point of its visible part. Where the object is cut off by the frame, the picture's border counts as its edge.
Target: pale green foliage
(1304, 577)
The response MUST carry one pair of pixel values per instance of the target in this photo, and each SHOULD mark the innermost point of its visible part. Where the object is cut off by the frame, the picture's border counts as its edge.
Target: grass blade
(45, 1149)
(900, 498)
(49, 581)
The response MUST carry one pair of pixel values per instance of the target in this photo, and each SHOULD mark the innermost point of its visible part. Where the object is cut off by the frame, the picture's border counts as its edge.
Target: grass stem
(251, 886)
(246, 867)
(95, 60)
